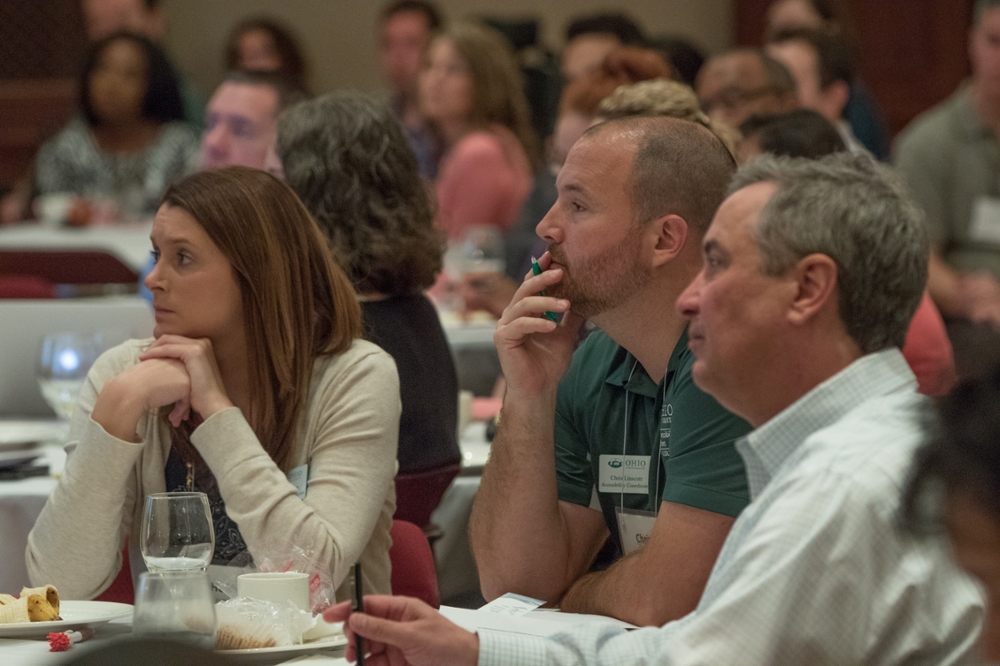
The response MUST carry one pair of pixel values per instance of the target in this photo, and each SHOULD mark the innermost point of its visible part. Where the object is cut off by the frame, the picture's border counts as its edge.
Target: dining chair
(413, 572)
(419, 493)
(121, 589)
(68, 266)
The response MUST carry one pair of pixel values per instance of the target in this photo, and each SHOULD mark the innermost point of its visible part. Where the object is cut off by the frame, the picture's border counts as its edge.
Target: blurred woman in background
(345, 155)
(256, 390)
(129, 142)
(262, 44)
(472, 95)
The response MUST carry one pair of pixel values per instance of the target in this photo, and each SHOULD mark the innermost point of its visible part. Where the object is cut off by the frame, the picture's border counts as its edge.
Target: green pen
(537, 270)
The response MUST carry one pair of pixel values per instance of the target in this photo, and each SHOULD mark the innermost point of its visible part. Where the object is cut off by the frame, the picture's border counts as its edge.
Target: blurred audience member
(145, 17)
(956, 484)
(261, 44)
(805, 133)
(798, 133)
(622, 65)
(831, 16)
(949, 155)
(405, 30)
(241, 125)
(821, 65)
(590, 38)
(663, 98)
(471, 93)
(129, 142)
(345, 155)
(683, 56)
(242, 119)
(739, 83)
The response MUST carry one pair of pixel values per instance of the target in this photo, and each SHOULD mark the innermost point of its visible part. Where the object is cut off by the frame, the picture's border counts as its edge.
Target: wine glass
(63, 364)
(175, 605)
(177, 532)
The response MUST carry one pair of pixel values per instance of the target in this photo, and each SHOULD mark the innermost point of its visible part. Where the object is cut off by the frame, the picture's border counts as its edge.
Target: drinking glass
(483, 249)
(175, 605)
(177, 532)
(63, 364)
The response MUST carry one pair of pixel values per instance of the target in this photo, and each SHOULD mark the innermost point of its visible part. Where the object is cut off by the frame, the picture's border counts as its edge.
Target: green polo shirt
(680, 430)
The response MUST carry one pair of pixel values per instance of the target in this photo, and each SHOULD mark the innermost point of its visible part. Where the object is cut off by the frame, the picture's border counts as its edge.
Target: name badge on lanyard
(634, 528)
(299, 477)
(985, 224)
(623, 474)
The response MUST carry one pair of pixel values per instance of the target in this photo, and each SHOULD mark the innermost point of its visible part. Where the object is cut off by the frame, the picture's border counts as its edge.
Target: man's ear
(835, 99)
(816, 278)
(671, 238)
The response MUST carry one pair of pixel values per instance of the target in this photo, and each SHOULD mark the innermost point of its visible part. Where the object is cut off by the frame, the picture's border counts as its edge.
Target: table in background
(128, 242)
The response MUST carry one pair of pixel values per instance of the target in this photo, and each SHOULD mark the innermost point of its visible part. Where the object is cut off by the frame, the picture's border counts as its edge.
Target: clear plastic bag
(252, 623)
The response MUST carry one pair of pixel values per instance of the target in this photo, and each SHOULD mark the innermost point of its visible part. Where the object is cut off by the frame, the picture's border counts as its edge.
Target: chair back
(67, 267)
(26, 286)
(418, 494)
(413, 572)
(121, 590)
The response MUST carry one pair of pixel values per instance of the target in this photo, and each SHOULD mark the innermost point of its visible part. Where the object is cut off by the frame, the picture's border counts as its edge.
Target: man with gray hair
(951, 157)
(812, 270)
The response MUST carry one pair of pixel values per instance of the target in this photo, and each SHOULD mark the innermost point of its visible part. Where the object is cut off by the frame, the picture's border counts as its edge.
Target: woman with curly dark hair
(345, 155)
(130, 142)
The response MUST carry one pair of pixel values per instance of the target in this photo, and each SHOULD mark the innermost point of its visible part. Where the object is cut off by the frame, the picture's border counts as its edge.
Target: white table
(127, 242)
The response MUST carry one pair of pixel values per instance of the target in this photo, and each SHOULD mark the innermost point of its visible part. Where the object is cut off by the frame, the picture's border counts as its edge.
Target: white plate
(74, 614)
(272, 654)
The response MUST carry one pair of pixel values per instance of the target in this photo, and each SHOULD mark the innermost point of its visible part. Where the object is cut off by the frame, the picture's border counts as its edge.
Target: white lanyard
(658, 457)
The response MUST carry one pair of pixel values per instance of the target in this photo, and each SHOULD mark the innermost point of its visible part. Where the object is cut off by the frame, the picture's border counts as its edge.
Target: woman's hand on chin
(145, 386)
(208, 394)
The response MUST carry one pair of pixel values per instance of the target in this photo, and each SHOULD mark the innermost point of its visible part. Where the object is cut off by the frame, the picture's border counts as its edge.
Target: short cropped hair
(798, 133)
(780, 79)
(858, 213)
(679, 168)
(833, 55)
(346, 157)
(289, 91)
(428, 9)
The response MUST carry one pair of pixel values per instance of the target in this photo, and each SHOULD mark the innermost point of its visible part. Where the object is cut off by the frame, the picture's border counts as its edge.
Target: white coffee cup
(280, 587)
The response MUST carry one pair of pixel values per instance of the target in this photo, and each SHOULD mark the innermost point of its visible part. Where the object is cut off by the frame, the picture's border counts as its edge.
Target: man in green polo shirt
(614, 445)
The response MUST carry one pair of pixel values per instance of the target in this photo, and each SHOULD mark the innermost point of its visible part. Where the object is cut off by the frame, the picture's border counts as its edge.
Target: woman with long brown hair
(472, 95)
(256, 371)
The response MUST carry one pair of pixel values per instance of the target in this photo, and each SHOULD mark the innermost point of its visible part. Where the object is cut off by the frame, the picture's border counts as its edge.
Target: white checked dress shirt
(816, 570)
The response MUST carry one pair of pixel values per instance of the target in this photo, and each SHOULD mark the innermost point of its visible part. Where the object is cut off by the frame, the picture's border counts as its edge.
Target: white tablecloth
(129, 242)
(20, 504)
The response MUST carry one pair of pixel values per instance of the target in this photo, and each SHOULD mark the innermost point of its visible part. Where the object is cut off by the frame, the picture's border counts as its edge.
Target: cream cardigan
(347, 434)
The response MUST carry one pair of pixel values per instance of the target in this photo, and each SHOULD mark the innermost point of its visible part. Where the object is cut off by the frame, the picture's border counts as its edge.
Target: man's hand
(403, 630)
(534, 351)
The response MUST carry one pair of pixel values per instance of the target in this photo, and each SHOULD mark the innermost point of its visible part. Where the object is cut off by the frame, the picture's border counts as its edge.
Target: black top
(408, 328)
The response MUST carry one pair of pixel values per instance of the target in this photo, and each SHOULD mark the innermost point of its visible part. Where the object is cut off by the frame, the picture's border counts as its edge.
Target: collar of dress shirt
(765, 449)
